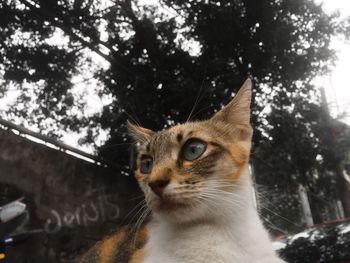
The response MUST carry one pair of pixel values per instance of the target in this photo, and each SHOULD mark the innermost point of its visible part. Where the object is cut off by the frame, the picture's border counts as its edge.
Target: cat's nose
(158, 186)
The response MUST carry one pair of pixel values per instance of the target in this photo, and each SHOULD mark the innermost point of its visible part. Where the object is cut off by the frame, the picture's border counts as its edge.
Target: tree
(154, 76)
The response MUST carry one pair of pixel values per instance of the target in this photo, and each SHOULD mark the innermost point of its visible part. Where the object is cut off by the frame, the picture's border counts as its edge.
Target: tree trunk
(344, 190)
(305, 206)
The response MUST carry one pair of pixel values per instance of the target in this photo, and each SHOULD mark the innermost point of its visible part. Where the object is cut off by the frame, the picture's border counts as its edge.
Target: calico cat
(196, 182)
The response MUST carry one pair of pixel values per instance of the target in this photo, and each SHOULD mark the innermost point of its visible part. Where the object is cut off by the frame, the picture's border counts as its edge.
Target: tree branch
(67, 30)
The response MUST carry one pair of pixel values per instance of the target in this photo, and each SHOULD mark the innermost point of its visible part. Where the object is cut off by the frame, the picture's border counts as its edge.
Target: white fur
(230, 232)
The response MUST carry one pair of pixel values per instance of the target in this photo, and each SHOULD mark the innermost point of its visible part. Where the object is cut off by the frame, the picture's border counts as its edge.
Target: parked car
(326, 243)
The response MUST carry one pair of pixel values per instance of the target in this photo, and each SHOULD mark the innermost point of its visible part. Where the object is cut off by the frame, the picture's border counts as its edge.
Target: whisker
(140, 221)
(197, 99)
(205, 108)
(138, 207)
(278, 215)
(138, 197)
(135, 120)
(273, 226)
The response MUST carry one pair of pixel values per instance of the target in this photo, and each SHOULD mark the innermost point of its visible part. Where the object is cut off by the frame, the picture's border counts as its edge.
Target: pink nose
(158, 186)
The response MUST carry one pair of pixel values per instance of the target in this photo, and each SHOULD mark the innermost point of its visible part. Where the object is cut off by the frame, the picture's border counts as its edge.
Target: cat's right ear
(138, 133)
(238, 110)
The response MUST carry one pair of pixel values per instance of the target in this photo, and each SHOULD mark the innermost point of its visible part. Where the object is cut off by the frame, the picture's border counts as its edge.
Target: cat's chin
(168, 206)
(177, 212)
(165, 206)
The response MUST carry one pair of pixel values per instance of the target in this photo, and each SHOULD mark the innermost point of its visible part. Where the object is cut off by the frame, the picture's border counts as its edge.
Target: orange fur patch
(138, 256)
(240, 156)
(138, 177)
(108, 247)
(162, 173)
(142, 235)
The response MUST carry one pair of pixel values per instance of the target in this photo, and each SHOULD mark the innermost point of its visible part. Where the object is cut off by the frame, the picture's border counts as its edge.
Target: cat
(196, 180)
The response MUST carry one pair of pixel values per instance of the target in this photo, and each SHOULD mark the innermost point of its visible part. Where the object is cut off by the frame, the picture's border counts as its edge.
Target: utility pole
(306, 206)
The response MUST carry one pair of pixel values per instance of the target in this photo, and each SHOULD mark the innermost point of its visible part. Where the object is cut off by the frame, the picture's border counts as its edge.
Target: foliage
(327, 243)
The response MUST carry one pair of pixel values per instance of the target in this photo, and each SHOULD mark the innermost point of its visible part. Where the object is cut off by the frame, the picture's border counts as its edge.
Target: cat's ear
(238, 110)
(138, 133)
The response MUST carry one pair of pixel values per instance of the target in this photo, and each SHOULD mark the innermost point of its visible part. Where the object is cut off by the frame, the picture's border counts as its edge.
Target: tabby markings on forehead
(160, 144)
(189, 133)
(179, 137)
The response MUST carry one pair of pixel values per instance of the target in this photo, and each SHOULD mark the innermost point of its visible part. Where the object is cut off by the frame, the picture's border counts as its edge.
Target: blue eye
(193, 149)
(146, 164)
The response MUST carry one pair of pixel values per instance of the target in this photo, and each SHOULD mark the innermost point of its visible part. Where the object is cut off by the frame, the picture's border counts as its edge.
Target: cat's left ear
(138, 133)
(238, 110)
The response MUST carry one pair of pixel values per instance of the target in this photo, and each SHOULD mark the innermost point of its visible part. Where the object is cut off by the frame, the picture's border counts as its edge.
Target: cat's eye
(193, 149)
(146, 164)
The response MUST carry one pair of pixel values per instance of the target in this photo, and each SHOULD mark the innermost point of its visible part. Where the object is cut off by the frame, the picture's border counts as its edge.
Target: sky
(335, 83)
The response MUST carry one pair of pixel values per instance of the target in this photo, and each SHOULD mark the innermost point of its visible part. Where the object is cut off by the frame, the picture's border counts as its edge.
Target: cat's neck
(210, 241)
(229, 233)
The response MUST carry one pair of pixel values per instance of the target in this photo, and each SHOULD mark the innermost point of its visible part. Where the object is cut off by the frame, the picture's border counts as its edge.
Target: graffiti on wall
(98, 209)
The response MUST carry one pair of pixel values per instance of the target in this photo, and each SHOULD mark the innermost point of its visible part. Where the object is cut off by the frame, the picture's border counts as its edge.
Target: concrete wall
(71, 202)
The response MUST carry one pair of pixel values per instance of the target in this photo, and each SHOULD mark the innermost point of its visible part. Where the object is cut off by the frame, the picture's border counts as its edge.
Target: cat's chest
(202, 244)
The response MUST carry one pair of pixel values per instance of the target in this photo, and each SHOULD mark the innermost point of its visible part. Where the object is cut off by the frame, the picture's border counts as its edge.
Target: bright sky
(337, 84)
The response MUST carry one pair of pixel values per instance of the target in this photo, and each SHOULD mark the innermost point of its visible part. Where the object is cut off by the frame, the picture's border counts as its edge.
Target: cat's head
(188, 171)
